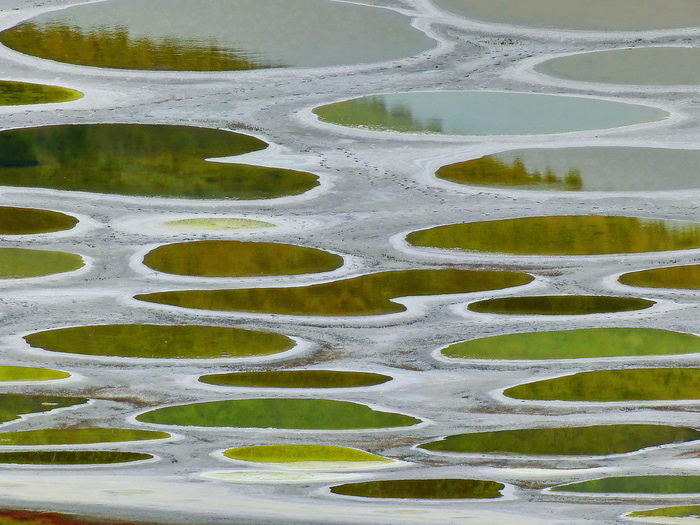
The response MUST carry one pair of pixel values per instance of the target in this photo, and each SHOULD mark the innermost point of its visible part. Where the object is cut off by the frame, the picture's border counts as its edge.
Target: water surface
(599, 168)
(19, 263)
(637, 485)
(71, 457)
(577, 344)
(631, 384)
(648, 66)
(565, 441)
(161, 341)
(213, 258)
(12, 406)
(22, 221)
(297, 379)
(216, 223)
(683, 277)
(301, 453)
(18, 93)
(26, 373)
(484, 113)
(423, 489)
(600, 15)
(142, 159)
(369, 294)
(214, 35)
(77, 436)
(30, 517)
(560, 305)
(563, 235)
(680, 511)
(292, 413)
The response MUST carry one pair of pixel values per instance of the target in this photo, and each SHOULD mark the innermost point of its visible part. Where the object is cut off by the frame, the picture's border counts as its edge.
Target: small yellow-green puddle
(239, 259)
(560, 305)
(216, 223)
(636, 485)
(423, 489)
(648, 66)
(12, 406)
(563, 235)
(161, 341)
(19, 263)
(71, 457)
(680, 511)
(322, 414)
(302, 454)
(19, 93)
(682, 277)
(369, 294)
(142, 159)
(21, 221)
(77, 436)
(297, 379)
(632, 384)
(27, 373)
(576, 344)
(565, 441)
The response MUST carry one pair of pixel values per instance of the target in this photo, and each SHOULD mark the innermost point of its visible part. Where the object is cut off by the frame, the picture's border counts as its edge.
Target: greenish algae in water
(484, 113)
(214, 258)
(26, 373)
(682, 277)
(592, 15)
(297, 379)
(369, 294)
(636, 485)
(565, 441)
(218, 35)
(576, 344)
(322, 414)
(19, 93)
(30, 517)
(19, 263)
(603, 168)
(216, 223)
(161, 341)
(142, 159)
(12, 406)
(423, 489)
(21, 221)
(77, 436)
(560, 305)
(300, 453)
(635, 384)
(562, 235)
(71, 457)
(680, 511)
(648, 66)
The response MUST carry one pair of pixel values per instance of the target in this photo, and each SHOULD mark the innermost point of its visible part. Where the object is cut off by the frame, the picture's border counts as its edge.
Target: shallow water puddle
(215, 35)
(19, 263)
(71, 457)
(19, 93)
(216, 223)
(648, 66)
(77, 436)
(576, 344)
(308, 455)
(680, 511)
(239, 259)
(484, 113)
(604, 15)
(325, 414)
(12, 406)
(635, 384)
(30, 517)
(369, 294)
(636, 485)
(161, 341)
(22, 221)
(26, 373)
(560, 305)
(682, 277)
(585, 169)
(142, 159)
(423, 489)
(297, 379)
(565, 441)
(562, 235)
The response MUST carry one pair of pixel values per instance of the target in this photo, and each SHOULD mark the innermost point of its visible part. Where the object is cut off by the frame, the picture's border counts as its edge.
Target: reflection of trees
(114, 48)
(493, 171)
(149, 160)
(687, 277)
